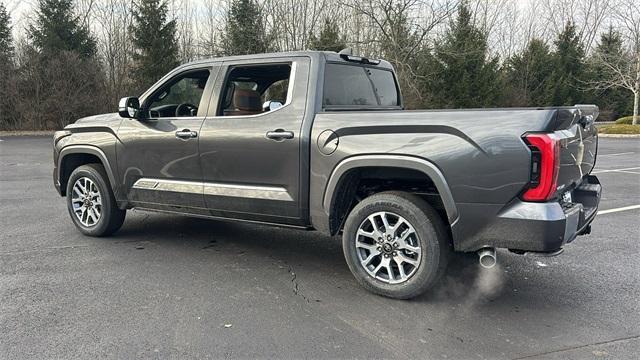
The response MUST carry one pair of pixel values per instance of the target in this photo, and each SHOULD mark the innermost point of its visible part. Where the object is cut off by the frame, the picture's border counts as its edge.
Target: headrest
(247, 100)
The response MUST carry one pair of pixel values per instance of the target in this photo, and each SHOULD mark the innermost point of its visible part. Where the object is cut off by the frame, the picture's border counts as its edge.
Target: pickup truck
(320, 141)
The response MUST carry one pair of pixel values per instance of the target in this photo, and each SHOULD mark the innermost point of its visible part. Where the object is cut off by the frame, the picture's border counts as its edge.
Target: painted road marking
(609, 211)
(618, 154)
(614, 170)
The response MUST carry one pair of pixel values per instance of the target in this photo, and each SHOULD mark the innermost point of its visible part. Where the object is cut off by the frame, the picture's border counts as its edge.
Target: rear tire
(412, 236)
(91, 203)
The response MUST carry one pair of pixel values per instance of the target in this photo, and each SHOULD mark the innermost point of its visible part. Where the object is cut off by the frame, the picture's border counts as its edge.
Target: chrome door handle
(279, 134)
(186, 134)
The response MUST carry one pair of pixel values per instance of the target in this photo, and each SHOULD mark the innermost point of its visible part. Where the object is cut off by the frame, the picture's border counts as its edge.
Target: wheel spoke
(77, 190)
(367, 234)
(369, 247)
(385, 221)
(371, 256)
(376, 231)
(397, 226)
(403, 244)
(400, 268)
(93, 216)
(383, 262)
(389, 271)
(405, 259)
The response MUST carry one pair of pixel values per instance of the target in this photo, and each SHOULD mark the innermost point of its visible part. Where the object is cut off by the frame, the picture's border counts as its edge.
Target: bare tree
(623, 70)
(111, 21)
(399, 30)
(292, 21)
(209, 26)
(589, 16)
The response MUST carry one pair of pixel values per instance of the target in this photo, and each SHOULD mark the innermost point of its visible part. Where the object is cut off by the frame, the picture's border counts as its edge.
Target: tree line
(75, 58)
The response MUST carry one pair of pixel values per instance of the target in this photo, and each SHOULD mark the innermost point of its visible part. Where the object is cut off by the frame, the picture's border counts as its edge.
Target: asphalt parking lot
(176, 287)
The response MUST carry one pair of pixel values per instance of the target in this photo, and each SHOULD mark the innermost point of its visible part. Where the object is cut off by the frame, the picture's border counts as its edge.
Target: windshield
(351, 85)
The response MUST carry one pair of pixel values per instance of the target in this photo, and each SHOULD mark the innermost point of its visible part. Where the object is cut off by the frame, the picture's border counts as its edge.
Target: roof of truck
(328, 55)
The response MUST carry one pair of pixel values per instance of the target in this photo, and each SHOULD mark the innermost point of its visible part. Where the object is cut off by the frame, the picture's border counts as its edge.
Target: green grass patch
(628, 120)
(619, 129)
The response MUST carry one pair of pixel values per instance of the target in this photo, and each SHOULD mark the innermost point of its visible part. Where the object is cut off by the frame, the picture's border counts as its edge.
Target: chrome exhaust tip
(487, 257)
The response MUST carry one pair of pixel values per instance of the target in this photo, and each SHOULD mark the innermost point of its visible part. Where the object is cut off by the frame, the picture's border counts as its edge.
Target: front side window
(180, 97)
(255, 89)
(350, 85)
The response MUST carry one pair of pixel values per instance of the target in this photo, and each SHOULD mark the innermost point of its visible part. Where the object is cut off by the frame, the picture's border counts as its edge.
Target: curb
(620, 136)
(26, 133)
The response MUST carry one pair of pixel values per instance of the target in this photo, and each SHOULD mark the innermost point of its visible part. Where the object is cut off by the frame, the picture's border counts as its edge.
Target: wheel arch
(342, 176)
(72, 156)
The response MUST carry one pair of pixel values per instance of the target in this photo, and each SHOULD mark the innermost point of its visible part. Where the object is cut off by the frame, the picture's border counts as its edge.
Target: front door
(158, 154)
(250, 146)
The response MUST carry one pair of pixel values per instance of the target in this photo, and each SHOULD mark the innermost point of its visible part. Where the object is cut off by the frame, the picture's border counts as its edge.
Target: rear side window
(349, 85)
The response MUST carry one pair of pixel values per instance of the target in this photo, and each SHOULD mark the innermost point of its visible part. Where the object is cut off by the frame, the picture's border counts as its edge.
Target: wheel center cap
(387, 248)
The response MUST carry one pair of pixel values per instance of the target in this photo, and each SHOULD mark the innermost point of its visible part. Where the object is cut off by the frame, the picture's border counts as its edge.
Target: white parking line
(609, 211)
(614, 170)
(618, 154)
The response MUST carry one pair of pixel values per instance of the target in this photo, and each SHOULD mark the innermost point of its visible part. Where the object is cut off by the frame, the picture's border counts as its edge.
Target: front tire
(395, 244)
(91, 203)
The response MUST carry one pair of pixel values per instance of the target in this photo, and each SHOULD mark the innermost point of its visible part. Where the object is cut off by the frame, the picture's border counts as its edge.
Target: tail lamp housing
(545, 166)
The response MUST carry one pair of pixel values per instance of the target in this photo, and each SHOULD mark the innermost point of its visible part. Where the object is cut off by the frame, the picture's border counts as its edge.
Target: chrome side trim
(214, 189)
(247, 191)
(189, 187)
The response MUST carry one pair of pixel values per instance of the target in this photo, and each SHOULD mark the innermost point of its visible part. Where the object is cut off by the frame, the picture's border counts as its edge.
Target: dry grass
(618, 129)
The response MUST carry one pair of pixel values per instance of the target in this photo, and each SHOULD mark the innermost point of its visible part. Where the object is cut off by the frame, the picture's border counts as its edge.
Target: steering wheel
(185, 109)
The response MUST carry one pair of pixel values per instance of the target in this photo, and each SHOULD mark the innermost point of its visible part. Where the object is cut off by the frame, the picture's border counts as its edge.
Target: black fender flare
(87, 149)
(398, 161)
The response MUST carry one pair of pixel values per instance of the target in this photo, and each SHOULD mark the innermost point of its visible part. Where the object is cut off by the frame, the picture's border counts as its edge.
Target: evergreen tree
(568, 69)
(329, 38)
(6, 40)
(245, 32)
(465, 74)
(527, 76)
(154, 39)
(56, 29)
(7, 97)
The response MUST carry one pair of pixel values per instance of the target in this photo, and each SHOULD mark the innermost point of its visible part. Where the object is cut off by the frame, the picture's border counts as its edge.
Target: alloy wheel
(388, 248)
(86, 201)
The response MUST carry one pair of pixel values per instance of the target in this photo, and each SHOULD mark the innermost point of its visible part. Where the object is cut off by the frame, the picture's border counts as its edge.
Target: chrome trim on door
(190, 187)
(247, 191)
(214, 189)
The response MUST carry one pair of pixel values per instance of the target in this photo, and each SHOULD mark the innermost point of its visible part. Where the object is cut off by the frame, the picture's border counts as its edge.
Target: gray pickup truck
(320, 141)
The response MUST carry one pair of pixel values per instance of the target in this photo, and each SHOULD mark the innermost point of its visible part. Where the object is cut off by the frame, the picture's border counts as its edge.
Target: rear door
(250, 145)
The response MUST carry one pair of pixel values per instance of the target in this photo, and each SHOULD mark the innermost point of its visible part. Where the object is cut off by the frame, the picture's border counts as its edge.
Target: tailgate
(578, 137)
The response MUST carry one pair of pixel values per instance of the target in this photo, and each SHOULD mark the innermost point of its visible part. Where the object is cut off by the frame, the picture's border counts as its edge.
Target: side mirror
(271, 105)
(129, 107)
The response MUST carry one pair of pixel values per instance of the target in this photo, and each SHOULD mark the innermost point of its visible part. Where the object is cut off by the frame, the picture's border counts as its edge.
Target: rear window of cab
(359, 86)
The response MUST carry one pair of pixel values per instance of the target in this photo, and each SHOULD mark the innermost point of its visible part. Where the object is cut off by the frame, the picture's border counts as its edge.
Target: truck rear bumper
(539, 227)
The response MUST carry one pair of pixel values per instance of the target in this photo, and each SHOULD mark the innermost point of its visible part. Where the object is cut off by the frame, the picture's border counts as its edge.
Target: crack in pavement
(579, 347)
(294, 281)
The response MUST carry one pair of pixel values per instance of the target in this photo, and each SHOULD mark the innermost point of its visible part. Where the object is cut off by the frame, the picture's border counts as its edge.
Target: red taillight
(545, 164)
